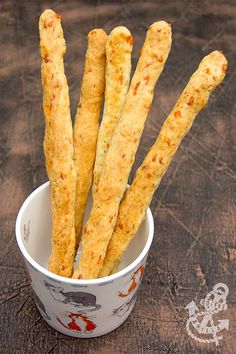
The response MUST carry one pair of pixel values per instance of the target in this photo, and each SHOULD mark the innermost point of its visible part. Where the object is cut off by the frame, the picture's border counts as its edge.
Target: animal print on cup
(77, 322)
(125, 307)
(134, 282)
(84, 301)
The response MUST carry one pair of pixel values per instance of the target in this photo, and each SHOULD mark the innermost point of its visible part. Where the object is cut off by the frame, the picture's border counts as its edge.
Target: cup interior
(35, 224)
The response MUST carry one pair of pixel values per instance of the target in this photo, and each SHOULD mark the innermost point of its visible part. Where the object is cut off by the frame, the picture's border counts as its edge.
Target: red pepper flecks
(58, 16)
(46, 60)
(48, 24)
(154, 158)
(56, 85)
(160, 160)
(120, 226)
(148, 106)
(207, 71)
(50, 108)
(136, 88)
(121, 79)
(191, 101)
(177, 114)
(224, 68)
(147, 78)
(167, 141)
(129, 40)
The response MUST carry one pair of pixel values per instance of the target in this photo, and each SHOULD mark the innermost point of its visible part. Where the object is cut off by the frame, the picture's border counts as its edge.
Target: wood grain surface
(195, 207)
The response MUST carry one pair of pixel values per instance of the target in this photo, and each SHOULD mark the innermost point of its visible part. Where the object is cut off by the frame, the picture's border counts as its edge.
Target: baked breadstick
(120, 156)
(118, 66)
(206, 78)
(58, 143)
(86, 121)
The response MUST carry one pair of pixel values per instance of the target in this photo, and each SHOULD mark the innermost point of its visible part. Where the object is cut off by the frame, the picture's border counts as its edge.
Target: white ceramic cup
(78, 308)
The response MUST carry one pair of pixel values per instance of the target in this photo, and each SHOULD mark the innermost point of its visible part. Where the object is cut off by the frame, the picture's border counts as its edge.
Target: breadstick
(58, 143)
(120, 156)
(86, 121)
(118, 67)
(194, 98)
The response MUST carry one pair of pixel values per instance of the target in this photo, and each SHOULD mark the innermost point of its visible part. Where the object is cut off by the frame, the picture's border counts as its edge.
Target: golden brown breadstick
(206, 78)
(86, 121)
(58, 143)
(118, 67)
(120, 156)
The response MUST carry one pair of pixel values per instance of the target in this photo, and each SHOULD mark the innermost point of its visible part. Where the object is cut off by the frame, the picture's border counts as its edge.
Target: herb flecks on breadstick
(58, 143)
(86, 121)
(206, 78)
(120, 156)
(118, 66)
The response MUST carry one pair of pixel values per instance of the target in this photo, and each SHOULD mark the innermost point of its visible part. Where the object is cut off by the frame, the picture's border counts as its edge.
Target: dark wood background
(194, 208)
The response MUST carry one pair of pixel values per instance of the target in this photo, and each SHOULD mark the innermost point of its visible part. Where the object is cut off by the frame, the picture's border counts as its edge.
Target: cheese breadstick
(86, 121)
(118, 66)
(58, 143)
(194, 98)
(120, 156)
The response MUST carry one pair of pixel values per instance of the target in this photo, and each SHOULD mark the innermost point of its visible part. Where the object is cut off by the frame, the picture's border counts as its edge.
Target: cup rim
(59, 278)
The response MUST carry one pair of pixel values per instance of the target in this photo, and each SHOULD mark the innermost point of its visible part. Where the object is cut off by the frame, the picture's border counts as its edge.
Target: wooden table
(195, 210)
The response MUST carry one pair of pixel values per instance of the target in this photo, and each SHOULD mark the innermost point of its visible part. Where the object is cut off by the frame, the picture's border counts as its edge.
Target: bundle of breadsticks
(88, 156)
